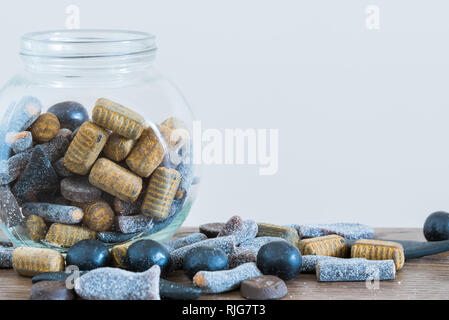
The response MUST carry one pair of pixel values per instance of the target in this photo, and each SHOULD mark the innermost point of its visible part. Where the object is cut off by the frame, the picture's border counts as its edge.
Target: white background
(363, 114)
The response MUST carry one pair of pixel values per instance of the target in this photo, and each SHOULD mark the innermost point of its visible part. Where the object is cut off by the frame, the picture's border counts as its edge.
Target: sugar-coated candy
(45, 128)
(241, 256)
(350, 231)
(185, 241)
(115, 180)
(6, 257)
(39, 181)
(56, 148)
(10, 212)
(240, 229)
(117, 284)
(147, 154)
(29, 261)
(53, 212)
(19, 141)
(357, 269)
(85, 148)
(225, 280)
(25, 113)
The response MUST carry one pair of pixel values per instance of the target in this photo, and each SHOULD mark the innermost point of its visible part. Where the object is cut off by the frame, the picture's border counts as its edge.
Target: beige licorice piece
(118, 148)
(160, 194)
(379, 250)
(67, 236)
(147, 154)
(117, 118)
(36, 228)
(332, 245)
(98, 216)
(272, 230)
(119, 255)
(116, 180)
(45, 128)
(29, 261)
(85, 148)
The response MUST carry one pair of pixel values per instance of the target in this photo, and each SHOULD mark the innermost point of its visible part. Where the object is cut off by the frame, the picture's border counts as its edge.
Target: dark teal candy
(436, 226)
(281, 259)
(70, 114)
(205, 259)
(88, 255)
(144, 254)
(176, 291)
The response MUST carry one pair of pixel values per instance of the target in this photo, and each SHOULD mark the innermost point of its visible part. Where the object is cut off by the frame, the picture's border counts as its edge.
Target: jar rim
(86, 43)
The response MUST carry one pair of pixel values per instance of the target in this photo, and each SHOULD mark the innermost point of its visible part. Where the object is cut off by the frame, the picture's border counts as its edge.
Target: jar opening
(86, 43)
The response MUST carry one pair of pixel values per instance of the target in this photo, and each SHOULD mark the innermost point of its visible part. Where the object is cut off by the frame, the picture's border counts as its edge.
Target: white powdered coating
(118, 284)
(185, 241)
(225, 280)
(6, 254)
(134, 224)
(356, 269)
(241, 256)
(350, 231)
(241, 230)
(227, 244)
(255, 244)
(310, 262)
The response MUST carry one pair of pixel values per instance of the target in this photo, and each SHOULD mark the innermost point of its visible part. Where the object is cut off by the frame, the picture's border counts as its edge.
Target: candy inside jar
(114, 164)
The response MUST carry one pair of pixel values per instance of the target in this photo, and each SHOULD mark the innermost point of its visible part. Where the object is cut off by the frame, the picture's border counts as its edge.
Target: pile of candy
(69, 178)
(256, 257)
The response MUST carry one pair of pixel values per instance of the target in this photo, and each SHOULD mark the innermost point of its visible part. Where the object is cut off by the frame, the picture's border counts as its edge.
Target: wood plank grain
(424, 278)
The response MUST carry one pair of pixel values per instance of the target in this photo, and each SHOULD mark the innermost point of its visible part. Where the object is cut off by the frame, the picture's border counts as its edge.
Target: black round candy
(281, 259)
(436, 227)
(88, 255)
(205, 259)
(144, 254)
(70, 114)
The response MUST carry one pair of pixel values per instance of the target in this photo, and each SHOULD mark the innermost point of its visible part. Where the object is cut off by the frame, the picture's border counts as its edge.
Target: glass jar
(122, 171)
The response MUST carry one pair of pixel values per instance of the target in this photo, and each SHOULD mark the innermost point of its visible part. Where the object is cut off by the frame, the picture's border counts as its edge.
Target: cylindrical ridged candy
(45, 128)
(67, 236)
(98, 216)
(36, 227)
(225, 280)
(161, 192)
(272, 230)
(113, 179)
(379, 250)
(333, 246)
(118, 148)
(19, 141)
(85, 148)
(117, 118)
(28, 261)
(227, 244)
(53, 212)
(119, 255)
(147, 154)
(354, 270)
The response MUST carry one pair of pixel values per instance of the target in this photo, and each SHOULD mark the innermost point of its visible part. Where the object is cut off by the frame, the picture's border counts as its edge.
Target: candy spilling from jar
(258, 258)
(68, 178)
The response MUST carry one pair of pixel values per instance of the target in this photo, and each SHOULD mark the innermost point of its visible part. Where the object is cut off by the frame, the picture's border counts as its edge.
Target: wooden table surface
(424, 278)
